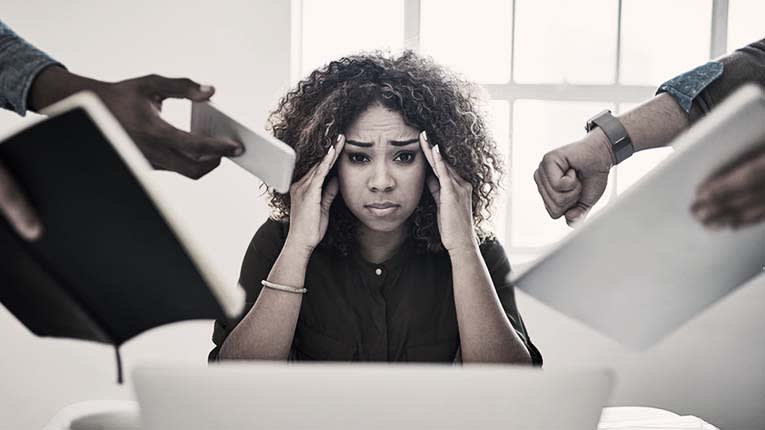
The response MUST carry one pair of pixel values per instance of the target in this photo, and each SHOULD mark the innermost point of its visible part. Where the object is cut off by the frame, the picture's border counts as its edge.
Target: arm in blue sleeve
(20, 63)
(701, 89)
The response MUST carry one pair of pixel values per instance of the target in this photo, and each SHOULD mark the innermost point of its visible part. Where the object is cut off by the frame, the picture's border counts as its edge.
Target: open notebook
(114, 260)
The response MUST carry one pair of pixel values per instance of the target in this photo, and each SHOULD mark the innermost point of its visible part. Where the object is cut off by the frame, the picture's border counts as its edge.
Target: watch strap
(619, 139)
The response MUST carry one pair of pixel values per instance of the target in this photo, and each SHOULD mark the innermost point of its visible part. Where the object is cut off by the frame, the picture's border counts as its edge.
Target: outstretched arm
(572, 178)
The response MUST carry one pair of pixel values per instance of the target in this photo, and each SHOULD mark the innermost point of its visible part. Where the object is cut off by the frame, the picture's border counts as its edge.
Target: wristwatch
(617, 135)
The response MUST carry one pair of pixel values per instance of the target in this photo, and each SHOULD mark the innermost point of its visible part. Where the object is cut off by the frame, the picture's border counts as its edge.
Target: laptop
(644, 266)
(270, 395)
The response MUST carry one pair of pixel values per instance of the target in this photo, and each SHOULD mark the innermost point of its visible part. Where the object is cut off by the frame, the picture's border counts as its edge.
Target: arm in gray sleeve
(20, 62)
(701, 89)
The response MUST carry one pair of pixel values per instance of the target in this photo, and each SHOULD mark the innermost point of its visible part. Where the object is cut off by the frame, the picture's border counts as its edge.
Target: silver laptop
(261, 395)
(643, 266)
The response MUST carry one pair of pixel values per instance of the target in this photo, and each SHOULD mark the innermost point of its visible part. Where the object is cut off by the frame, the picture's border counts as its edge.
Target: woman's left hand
(453, 197)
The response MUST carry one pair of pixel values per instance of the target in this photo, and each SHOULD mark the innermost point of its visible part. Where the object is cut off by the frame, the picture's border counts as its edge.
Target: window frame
(612, 94)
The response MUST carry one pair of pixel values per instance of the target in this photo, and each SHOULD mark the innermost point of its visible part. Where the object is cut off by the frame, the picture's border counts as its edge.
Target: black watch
(620, 141)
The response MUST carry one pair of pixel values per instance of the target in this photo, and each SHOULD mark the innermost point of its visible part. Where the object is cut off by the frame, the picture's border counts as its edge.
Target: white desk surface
(124, 415)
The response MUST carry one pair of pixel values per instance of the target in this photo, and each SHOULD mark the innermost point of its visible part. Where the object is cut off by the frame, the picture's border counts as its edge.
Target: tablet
(644, 266)
(265, 156)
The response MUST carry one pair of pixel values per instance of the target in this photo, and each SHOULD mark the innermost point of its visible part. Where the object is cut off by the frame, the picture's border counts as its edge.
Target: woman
(386, 271)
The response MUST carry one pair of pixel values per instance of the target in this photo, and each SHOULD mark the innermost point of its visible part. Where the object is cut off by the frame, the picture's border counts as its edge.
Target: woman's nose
(381, 179)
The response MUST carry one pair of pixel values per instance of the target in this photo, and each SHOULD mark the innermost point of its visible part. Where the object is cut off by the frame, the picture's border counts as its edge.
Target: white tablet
(644, 266)
(264, 156)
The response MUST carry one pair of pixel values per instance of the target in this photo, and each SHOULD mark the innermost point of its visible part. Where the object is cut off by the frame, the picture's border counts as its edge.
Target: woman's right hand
(309, 204)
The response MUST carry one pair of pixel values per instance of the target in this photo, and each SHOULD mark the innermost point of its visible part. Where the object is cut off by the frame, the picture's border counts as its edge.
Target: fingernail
(32, 231)
(239, 150)
(206, 88)
(339, 137)
(425, 135)
(436, 150)
(331, 149)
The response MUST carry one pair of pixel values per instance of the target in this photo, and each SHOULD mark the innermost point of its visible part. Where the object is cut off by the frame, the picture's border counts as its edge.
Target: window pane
(538, 127)
(472, 38)
(333, 28)
(556, 41)
(661, 39)
(499, 124)
(745, 22)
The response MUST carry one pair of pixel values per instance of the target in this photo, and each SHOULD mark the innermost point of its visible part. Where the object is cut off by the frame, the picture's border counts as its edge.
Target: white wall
(714, 367)
(243, 49)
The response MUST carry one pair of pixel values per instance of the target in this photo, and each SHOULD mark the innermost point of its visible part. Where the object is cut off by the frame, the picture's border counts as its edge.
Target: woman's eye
(356, 157)
(405, 157)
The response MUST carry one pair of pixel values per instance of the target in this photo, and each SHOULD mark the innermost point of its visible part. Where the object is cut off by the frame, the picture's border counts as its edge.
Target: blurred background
(546, 66)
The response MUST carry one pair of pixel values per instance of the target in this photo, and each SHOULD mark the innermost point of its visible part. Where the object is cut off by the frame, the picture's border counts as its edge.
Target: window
(547, 65)
(744, 22)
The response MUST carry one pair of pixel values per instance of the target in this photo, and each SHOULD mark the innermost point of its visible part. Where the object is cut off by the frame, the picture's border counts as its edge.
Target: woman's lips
(382, 209)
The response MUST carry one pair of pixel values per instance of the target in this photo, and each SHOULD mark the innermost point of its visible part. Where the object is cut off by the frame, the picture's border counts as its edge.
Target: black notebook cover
(108, 266)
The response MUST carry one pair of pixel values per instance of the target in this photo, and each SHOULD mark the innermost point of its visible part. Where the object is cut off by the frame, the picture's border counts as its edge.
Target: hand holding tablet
(265, 156)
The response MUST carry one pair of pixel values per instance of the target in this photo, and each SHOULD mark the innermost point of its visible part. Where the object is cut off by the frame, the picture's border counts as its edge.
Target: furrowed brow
(404, 142)
(361, 144)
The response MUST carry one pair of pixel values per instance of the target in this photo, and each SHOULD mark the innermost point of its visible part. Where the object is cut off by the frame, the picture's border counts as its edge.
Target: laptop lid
(370, 396)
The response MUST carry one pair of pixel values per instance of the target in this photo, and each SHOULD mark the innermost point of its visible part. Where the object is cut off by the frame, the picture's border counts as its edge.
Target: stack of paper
(641, 418)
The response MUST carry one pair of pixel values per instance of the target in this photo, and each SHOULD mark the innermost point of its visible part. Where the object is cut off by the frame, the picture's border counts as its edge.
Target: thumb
(574, 214)
(330, 191)
(179, 88)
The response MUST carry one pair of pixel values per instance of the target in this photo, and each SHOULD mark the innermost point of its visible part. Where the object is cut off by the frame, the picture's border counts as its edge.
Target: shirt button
(378, 271)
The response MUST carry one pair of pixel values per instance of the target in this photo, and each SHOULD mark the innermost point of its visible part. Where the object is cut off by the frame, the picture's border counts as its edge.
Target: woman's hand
(453, 197)
(309, 204)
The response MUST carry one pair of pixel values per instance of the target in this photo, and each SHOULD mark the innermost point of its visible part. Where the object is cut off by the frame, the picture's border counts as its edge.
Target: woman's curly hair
(311, 115)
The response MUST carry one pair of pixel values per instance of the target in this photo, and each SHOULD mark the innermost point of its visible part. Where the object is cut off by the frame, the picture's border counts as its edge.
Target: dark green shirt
(354, 310)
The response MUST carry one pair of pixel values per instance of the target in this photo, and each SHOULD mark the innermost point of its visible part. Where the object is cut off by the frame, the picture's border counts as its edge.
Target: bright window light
(473, 38)
(745, 22)
(334, 28)
(661, 39)
(556, 41)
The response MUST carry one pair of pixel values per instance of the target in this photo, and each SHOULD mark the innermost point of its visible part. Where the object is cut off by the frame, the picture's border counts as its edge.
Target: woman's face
(381, 171)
